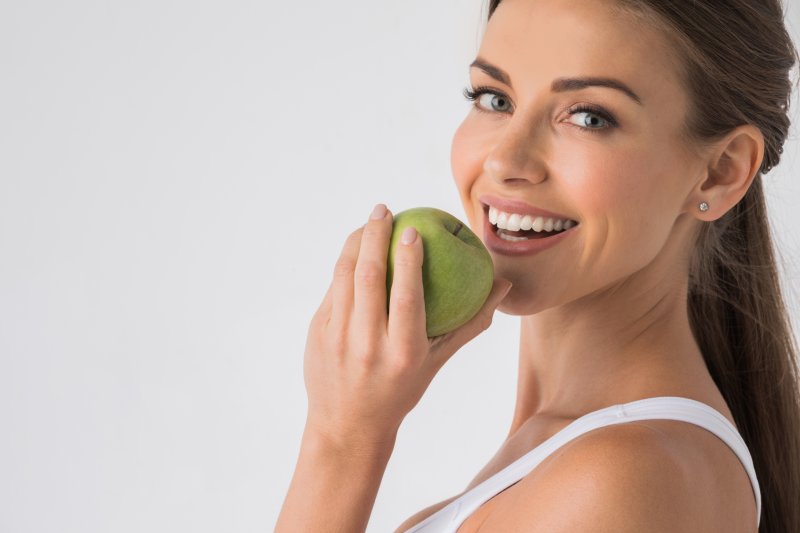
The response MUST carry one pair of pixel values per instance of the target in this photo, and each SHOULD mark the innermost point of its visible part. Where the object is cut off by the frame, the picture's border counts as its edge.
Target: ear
(731, 168)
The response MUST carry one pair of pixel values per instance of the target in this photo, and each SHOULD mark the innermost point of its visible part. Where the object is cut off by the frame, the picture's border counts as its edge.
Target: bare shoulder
(422, 515)
(624, 478)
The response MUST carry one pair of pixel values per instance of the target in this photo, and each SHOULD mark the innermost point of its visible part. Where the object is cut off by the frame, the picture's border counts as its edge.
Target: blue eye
(593, 113)
(590, 124)
(474, 96)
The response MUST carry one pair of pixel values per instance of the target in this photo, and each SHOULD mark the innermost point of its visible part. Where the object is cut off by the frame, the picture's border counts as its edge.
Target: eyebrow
(560, 85)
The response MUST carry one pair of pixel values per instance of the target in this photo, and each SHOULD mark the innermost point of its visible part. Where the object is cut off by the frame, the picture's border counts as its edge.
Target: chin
(515, 304)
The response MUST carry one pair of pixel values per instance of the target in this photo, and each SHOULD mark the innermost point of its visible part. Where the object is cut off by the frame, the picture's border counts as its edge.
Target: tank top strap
(450, 517)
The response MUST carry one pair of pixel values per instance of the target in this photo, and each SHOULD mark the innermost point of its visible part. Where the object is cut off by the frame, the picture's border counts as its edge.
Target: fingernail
(409, 235)
(378, 212)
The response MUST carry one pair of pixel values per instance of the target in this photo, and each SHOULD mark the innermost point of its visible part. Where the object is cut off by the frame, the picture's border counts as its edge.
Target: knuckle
(344, 268)
(371, 274)
(405, 301)
(365, 355)
(407, 260)
(402, 363)
(373, 229)
(337, 342)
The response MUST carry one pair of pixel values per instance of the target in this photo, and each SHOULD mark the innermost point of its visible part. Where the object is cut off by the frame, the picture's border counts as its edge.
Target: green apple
(457, 270)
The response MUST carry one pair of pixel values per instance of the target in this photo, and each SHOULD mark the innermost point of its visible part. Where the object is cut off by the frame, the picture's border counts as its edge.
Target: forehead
(539, 40)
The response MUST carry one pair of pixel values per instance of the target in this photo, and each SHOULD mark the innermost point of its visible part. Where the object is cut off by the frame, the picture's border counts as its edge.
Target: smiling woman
(612, 164)
(669, 197)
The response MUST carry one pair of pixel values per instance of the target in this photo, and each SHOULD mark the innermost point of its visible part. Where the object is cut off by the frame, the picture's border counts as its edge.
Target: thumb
(449, 343)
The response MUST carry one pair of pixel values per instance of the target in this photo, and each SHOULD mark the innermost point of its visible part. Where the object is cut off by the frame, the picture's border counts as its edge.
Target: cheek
(594, 178)
(612, 188)
(629, 195)
(619, 184)
(466, 162)
(467, 153)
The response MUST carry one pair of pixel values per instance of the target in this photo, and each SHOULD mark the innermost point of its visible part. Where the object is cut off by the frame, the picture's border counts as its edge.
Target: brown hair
(736, 57)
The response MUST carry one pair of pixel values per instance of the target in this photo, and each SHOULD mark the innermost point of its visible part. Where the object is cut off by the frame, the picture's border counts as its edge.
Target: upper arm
(619, 479)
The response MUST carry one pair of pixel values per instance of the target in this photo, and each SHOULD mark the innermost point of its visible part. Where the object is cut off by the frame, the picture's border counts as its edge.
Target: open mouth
(517, 228)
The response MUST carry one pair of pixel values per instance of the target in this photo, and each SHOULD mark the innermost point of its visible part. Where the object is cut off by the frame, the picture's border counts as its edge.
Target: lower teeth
(507, 235)
(511, 238)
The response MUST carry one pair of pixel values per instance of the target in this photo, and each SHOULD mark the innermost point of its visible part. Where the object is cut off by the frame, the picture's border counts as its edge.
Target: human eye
(592, 113)
(474, 95)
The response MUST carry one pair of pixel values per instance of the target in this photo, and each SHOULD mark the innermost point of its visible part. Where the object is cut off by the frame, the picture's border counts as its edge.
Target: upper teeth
(515, 222)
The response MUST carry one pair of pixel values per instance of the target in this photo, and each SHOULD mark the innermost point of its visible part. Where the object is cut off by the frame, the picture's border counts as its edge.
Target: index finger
(369, 306)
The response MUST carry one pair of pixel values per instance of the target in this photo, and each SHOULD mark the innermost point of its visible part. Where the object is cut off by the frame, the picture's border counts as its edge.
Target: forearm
(334, 487)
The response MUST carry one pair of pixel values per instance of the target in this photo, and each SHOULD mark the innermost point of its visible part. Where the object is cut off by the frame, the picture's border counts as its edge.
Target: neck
(624, 343)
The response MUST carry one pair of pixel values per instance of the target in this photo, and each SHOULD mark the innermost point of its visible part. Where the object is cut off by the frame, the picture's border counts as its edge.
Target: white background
(176, 181)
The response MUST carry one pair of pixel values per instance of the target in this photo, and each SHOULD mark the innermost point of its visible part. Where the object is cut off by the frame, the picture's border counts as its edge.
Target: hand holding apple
(457, 270)
(364, 368)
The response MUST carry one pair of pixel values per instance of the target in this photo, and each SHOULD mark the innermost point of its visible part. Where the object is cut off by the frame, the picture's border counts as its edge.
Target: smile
(513, 223)
(515, 234)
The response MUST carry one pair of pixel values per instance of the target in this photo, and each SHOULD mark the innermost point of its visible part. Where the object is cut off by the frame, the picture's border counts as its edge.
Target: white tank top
(449, 518)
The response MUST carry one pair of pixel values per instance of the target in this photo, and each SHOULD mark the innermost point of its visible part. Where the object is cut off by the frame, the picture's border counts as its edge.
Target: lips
(519, 207)
(497, 244)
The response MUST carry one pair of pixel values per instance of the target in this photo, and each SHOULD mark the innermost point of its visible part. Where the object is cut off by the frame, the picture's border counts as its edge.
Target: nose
(517, 156)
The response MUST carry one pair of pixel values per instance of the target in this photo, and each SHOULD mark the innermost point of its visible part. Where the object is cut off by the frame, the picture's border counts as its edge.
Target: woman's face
(620, 169)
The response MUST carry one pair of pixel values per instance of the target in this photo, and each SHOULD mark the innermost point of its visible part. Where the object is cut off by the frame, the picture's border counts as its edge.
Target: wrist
(319, 440)
(337, 479)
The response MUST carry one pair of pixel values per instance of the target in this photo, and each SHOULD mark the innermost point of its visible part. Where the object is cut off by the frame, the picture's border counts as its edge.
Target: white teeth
(502, 220)
(511, 238)
(516, 222)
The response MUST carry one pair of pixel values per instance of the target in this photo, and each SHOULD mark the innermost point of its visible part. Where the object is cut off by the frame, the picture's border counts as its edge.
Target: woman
(657, 384)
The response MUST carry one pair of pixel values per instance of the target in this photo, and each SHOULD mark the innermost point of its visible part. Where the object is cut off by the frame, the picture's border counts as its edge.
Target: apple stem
(458, 228)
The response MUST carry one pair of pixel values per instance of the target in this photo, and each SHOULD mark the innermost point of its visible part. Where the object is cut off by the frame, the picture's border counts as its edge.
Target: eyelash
(473, 95)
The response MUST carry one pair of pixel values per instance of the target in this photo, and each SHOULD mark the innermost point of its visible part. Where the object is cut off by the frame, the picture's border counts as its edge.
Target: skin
(603, 313)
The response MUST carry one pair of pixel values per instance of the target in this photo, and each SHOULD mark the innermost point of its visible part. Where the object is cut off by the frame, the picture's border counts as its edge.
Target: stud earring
(703, 206)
